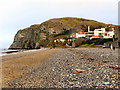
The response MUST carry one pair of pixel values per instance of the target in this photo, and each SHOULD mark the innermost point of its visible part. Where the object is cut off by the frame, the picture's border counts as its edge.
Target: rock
(90, 59)
(93, 67)
(106, 83)
(105, 61)
(97, 77)
(113, 81)
(75, 72)
(114, 67)
(70, 64)
(78, 71)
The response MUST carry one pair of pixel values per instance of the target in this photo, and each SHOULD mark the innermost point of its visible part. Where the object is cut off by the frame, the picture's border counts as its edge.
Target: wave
(5, 51)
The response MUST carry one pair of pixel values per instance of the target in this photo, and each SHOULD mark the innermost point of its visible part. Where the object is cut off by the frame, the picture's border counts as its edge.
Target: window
(100, 34)
(105, 34)
(54, 32)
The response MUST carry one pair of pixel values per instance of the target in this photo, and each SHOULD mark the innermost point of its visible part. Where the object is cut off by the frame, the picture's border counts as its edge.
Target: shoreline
(16, 51)
(21, 53)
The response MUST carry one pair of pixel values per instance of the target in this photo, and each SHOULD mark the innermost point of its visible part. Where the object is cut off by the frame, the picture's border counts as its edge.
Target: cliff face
(41, 34)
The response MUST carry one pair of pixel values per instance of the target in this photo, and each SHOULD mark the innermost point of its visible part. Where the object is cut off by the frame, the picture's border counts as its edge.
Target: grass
(94, 43)
(90, 46)
(98, 46)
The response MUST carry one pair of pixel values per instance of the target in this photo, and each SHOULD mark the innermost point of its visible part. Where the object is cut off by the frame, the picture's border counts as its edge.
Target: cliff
(41, 34)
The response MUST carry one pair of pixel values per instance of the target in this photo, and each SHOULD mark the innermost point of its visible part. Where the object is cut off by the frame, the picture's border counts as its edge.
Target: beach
(17, 64)
(61, 68)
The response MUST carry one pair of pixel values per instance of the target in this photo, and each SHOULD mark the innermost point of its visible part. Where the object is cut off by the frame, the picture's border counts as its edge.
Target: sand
(16, 65)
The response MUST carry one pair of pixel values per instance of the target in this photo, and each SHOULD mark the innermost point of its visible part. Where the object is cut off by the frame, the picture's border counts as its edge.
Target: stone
(70, 64)
(106, 83)
(78, 71)
(114, 67)
(75, 72)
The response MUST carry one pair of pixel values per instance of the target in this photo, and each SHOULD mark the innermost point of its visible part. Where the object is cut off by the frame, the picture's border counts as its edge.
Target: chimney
(88, 28)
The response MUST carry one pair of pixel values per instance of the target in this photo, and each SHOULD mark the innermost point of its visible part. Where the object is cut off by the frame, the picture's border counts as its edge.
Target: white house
(62, 40)
(80, 34)
(105, 34)
(73, 35)
(89, 33)
(111, 33)
(99, 32)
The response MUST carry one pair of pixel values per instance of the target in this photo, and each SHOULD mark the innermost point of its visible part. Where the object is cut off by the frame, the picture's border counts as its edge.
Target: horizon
(22, 14)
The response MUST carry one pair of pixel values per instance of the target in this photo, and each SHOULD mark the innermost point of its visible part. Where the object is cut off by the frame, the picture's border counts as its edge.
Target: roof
(105, 33)
(98, 36)
(81, 32)
(111, 29)
(118, 26)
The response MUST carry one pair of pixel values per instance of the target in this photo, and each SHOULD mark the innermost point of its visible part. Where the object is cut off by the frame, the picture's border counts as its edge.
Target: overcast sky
(18, 14)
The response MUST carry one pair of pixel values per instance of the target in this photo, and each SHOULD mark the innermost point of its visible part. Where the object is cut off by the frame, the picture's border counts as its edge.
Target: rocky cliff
(41, 34)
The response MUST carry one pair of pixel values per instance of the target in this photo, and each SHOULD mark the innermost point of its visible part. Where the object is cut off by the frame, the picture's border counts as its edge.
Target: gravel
(58, 71)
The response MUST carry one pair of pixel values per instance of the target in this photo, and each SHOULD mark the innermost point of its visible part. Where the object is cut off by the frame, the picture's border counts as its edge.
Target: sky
(19, 14)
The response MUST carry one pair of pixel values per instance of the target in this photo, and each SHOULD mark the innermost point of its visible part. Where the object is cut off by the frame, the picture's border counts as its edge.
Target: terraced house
(97, 33)
(103, 33)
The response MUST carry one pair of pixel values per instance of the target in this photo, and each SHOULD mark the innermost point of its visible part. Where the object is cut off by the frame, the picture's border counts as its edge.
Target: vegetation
(98, 42)
(91, 45)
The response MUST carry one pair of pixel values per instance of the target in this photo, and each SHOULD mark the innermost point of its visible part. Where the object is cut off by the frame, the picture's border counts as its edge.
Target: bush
(84, 45)
(96, 41)
(87, 42)
(91, 44)
(98, 46)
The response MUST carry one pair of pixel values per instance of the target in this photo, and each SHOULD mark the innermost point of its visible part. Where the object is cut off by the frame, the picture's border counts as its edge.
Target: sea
(5, 51)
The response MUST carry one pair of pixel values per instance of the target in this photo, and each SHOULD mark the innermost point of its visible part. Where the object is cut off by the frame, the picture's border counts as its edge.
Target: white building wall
(110, 34)
(98, 31)
(80, 35)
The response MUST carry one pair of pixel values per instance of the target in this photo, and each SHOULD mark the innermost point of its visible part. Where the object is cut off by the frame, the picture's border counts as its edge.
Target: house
(111, 33)
(89, 33)
(62, 40)
(105, 34)
(99, 32)
(57, 40)
(80, 34)
(73, 35)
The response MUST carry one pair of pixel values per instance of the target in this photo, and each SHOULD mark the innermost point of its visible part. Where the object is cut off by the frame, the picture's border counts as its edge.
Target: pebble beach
(62, 68)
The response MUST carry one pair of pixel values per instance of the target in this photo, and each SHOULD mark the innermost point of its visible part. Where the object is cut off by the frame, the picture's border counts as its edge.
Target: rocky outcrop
(41, 34)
